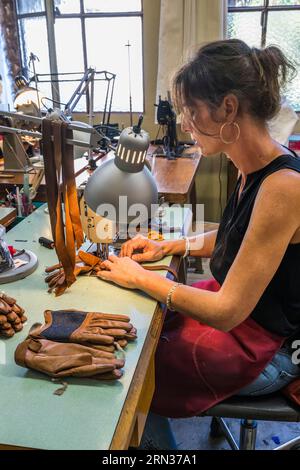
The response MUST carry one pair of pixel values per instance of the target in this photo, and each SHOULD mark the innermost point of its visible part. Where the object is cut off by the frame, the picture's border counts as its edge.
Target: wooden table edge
(122, 437)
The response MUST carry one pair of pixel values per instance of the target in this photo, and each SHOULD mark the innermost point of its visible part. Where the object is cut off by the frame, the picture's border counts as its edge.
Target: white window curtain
(5, 84)
(184, 25)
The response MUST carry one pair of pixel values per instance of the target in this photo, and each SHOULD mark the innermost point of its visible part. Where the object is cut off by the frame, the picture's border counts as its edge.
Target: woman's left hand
(122, 271)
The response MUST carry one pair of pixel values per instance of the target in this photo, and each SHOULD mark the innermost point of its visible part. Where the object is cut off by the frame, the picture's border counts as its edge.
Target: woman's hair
(254, 75)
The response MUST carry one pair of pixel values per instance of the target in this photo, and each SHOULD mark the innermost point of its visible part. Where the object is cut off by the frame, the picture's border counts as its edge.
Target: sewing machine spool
(15, 274)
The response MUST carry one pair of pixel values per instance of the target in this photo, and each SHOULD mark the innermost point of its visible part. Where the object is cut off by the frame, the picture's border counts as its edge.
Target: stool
(273, 407)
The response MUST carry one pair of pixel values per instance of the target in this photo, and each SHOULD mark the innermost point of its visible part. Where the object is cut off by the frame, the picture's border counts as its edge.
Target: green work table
(90, 414)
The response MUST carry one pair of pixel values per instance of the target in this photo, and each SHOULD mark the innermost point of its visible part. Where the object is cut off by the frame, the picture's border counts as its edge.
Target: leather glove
(67, 360)
(11, 316)
(86, 263)
(88, 328)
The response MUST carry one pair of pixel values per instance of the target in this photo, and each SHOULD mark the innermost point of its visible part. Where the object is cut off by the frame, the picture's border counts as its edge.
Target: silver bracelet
(169, 296)
(187, 246)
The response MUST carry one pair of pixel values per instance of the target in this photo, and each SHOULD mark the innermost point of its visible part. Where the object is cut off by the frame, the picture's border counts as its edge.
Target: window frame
(50, 14)
(264, 9)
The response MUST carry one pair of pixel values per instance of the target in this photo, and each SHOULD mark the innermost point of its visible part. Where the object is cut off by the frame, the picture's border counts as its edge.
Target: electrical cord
(50, 99)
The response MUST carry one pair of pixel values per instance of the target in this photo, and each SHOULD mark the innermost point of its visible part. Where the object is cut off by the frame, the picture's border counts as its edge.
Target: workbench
(7, 215)
(90, 414)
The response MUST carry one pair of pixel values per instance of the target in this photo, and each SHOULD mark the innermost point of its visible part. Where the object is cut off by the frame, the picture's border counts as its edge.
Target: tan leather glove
(89, 328)
(86, 263)
(67, 360)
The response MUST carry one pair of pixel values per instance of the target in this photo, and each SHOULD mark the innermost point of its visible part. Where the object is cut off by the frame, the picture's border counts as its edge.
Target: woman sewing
(230, 333)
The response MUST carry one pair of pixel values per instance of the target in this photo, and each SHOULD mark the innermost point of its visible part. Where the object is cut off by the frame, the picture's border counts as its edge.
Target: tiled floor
(193, 433)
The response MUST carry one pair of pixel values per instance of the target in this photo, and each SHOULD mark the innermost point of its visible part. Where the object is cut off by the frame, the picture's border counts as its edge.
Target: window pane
(113, 57)
(245, 3)
(284, 2)
(67, 6)
(112, 6)
(30, 6)
(33, 38)
(288, 39)
(69, 56)
(245, 26)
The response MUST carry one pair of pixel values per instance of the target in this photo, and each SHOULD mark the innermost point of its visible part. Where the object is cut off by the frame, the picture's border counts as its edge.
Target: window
(70, 36)
(263, 22)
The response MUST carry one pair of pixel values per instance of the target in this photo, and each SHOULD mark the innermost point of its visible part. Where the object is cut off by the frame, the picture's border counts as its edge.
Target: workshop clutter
(6, 261)
(73, 343)
(11, 316)
(19, 200)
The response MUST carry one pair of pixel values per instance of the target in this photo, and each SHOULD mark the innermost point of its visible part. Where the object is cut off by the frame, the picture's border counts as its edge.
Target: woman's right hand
(151, 250)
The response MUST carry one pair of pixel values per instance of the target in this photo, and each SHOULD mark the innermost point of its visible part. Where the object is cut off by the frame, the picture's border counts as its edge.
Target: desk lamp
(27, 103)
(27, 96)
(124, 175)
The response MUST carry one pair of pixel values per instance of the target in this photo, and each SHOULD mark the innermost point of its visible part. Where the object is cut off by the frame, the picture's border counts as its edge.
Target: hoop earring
(235, 124)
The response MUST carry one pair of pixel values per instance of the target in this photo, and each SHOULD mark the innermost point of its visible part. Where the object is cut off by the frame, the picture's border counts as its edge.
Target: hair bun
(219, 68)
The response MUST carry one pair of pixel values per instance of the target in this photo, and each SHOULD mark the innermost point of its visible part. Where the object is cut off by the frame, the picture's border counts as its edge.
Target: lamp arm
(96, 135)
(38, 135)
(80, 90)
(36, 183)
(15, 130)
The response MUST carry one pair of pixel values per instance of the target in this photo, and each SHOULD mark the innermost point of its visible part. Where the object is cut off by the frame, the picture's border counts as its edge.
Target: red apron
(197, 366)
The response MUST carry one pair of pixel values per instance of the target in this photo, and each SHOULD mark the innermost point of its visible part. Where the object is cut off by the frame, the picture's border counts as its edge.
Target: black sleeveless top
(278, 309)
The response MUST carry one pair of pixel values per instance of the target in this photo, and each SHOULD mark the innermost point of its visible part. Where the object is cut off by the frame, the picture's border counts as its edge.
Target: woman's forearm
(199, 304)
(201, 245)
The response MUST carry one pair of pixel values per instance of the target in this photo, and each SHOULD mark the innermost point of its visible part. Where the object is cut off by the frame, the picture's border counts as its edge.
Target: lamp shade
(125, 175)
(82, 137)
(108, 183)
(28, 96)
(132, 149)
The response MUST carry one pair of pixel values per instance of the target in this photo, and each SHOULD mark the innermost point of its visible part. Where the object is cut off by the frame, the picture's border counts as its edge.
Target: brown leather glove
(86, 263)
(89, 328)
(67, 360)
(11, 316)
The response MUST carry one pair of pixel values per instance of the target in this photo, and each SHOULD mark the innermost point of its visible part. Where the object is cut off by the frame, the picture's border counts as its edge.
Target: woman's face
(204, 130)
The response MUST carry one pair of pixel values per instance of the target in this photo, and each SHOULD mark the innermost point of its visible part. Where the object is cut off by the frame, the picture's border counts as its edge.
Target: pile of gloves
(73, 343)
(11, 316)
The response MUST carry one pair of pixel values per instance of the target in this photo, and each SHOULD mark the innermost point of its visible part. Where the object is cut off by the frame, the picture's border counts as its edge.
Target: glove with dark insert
(95, 329)
(67, 359)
